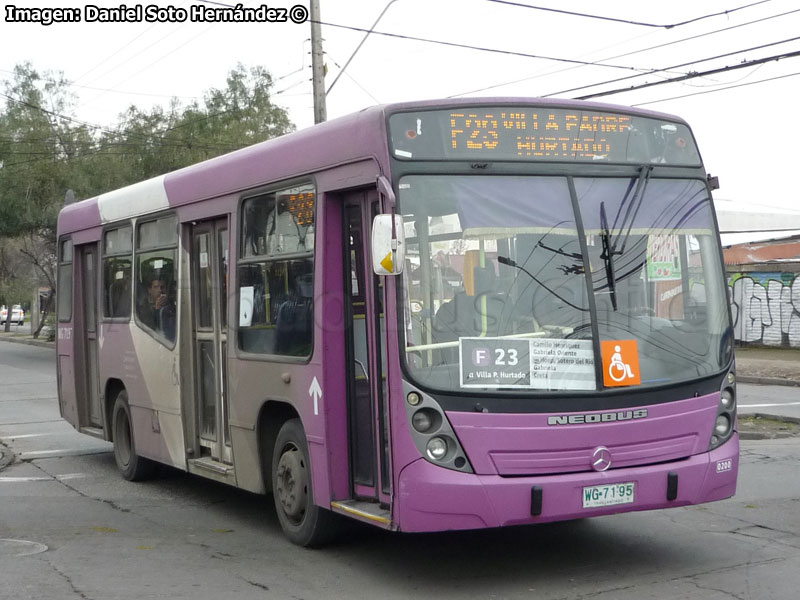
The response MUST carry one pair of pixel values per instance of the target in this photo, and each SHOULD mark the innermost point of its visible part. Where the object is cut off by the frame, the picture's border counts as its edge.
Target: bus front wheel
(132, 466)
(302, 521)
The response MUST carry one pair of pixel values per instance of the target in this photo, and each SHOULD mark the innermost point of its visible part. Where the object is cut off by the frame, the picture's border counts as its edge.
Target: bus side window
(65, 281)
(279, 234)
(156, 276)
(117, 248)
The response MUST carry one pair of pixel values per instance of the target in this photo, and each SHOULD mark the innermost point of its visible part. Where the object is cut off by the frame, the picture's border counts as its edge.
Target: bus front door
(209, 291)
(88, 266)
(365, 352)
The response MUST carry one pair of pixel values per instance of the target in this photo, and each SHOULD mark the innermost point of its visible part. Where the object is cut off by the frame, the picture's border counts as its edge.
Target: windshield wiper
(609, 248)
(635, 205)
(504, 260)
(607, 255)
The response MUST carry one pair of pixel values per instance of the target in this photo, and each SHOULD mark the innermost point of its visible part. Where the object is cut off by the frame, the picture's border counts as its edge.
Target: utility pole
(317, 65)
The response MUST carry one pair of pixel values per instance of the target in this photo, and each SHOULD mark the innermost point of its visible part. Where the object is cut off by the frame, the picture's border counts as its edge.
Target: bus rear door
(87, 257)
(209, 290)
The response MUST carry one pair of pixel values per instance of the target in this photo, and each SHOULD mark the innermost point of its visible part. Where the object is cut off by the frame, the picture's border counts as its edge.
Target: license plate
(607, 495)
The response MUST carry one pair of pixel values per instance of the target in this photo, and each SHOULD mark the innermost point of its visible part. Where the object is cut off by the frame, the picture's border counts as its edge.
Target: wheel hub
(291, 487)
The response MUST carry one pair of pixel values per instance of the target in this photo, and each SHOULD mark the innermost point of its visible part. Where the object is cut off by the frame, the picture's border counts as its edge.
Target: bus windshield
(556, 283)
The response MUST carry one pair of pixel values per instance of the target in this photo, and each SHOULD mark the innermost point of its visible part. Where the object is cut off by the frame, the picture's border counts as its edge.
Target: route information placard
(535, 363)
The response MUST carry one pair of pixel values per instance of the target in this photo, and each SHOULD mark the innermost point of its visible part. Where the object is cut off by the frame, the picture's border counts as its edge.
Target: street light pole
(317, 65)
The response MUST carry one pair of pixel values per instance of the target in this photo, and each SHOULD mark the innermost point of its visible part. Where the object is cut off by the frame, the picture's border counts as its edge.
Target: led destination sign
(547, 134)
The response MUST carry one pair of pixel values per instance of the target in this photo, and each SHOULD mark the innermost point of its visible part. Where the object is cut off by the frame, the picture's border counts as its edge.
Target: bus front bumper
(431, 498)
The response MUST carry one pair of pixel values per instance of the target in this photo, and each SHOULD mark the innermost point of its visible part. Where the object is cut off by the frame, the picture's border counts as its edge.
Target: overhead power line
(686, 64)
(721, 89)
(341, 71)
(631, 53)
(627, 21)
(743, 65)
(479, 48)
(364, 39)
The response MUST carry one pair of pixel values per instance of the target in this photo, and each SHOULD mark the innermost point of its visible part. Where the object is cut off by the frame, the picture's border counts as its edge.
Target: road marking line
(766, 405)
(65, 477)
(43, 452)
(62, 452)
(24, 436)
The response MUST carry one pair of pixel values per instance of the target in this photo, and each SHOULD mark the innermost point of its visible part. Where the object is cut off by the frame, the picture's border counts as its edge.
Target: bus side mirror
(388, 245)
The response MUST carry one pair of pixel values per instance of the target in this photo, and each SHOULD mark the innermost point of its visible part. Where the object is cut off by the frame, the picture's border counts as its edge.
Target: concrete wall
(766, 306)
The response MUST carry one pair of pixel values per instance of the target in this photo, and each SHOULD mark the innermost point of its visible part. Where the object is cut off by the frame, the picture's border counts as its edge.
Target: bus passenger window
(117, 248)
(282, 287)
(156, 277)
(64, 288)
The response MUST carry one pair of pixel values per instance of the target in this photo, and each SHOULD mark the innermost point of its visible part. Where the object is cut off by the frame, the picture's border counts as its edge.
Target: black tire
(302, 521)
(132, 466)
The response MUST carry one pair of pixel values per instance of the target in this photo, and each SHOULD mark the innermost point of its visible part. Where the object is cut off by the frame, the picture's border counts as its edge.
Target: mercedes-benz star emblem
(601, 459)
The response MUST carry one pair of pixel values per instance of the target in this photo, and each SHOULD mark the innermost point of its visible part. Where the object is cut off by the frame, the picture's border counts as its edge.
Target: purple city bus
(425, 316)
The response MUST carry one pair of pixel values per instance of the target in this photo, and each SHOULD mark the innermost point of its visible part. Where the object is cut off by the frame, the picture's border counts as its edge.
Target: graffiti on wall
(766, 308)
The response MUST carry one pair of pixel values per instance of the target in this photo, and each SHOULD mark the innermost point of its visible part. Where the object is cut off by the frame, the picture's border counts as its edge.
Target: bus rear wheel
(132, 466)
(302, 521)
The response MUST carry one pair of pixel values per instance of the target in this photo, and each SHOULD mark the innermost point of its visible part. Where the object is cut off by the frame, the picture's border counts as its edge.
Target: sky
(745, 120)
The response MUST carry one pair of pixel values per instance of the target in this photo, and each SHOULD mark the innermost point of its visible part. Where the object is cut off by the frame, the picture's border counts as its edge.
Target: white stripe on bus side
(139, 198)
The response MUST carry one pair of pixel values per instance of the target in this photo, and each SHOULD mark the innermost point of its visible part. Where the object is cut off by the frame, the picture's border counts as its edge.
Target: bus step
(96, 432)
(370, 512)
(207, 467)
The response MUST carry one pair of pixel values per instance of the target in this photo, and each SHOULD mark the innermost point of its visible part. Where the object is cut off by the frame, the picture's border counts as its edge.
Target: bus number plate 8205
(607, 495)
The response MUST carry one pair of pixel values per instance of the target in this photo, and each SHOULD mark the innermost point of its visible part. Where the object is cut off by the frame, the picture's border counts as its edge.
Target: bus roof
(356, 136)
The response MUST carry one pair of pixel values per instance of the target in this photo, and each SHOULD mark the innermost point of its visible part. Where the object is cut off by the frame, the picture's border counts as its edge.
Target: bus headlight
(421, 421)
(432, 433)
(437, 448)
(726, 413)
(723, 425)
(727, 399)
(426, 420)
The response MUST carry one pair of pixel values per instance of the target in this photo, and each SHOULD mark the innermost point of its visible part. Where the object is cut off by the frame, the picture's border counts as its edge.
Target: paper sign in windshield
(663, 263)
(495, 363)
(558, 364)
(541, 363)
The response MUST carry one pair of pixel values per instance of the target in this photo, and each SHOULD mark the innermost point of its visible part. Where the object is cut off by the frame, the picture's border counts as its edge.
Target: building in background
(765, 299)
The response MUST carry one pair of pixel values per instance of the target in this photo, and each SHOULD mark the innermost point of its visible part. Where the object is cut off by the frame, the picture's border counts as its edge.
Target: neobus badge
(609, 417)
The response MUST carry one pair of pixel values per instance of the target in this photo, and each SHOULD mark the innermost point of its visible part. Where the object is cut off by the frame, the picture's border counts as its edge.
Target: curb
(781, 418)
(758, 435)
(28, 342)
(766, 380)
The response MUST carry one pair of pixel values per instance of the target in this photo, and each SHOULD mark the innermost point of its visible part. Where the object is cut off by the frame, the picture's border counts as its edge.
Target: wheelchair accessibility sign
(620, 363)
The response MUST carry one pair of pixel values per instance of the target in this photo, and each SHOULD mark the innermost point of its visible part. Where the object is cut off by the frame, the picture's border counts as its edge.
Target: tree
(45, 150)
(37, 142)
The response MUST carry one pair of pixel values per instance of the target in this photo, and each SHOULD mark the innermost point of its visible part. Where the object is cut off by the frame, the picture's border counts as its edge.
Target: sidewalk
(768, 366)
(24, 338)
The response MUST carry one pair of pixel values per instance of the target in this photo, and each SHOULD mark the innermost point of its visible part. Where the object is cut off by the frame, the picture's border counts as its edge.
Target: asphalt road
(781, 400)
(70, 527)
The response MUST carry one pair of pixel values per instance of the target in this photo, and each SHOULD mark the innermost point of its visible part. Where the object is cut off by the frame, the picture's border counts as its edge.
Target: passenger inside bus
(168, 312)
(293, 322)
(155, 308)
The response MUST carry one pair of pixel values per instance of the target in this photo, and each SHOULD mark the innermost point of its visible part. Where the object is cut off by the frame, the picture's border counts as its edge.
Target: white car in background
(17, 315)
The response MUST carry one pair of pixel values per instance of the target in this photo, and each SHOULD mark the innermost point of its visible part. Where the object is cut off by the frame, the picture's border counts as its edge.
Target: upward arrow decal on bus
(315, 392)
